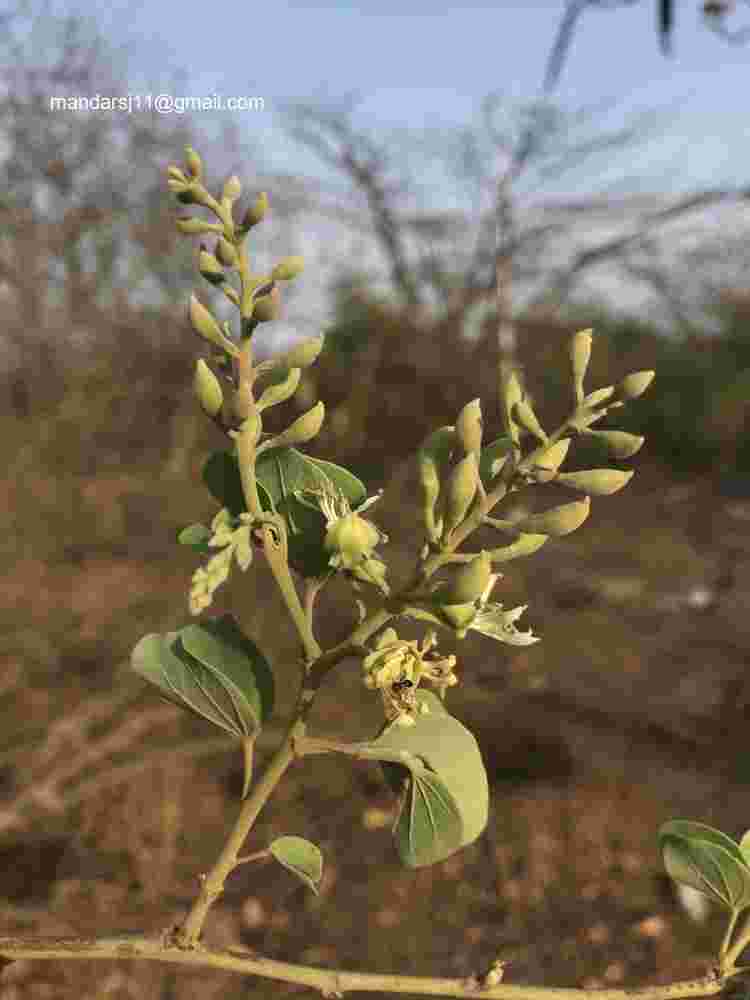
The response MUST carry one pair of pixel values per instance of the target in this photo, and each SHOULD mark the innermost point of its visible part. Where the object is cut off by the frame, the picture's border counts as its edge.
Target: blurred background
(467, 184)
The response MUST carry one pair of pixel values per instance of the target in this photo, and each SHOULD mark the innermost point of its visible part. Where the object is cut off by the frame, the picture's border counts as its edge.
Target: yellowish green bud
(353, 537)
(372, 571)
(526, 417)
(205, 324)
(225, 252)
(175, 174)
(558, 521)
(580, 355)
(302, 355)
(525, 545)
(599, 396)
(280, 391)
(288, 268)
(210, 268)
(596, 482)
(469, 426)
(194, 226)
(232, 188)
(460, 492)
(194, 163)
(267, 307)
(544, 463)
(619, 444)
(207, 389)
(460, 616)
(469, 581)
(256, 212)
(304, 428)
(432, 459)
(635, 384)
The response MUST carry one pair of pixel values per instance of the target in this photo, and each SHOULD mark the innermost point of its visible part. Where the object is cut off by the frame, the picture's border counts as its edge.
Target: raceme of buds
(302, 355)
(304, 428)
(526, 417)
(618, 443)
(524, 545)
(597, 482)
(232, 189)
(468, 582)
(469, 426)
(210, 268)
(352, 538)
(558, 521)
(206, 326)
(635, 384)
(207, 389)
(225, 252)
(544, 463)
(460, 491)
(194, 164)
(267, 307)
(256, 212)
(580, 355)
(280, 391)
(288, 268)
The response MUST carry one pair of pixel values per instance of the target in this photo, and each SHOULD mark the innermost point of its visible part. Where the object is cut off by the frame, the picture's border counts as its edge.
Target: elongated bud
(580, 355)
(194, 226)
(256, 212)
(281, 390)
(194, 163)
(232, 188)
(526, 417)
(432, 459)
(599, 396)
(288, 268)
(558, 521)
(304, 428)
(544, 463)
(207, 389)
(469, 581)
(175, 174)
(205, 324)
(525, 545)
(210, 268)
(635, 384)
(597, 482)
(460, 492)
(510, 394)
(225, 252)
(469, 426)
(267, 307)
(618, 443)
(459, 616)
(304, 354)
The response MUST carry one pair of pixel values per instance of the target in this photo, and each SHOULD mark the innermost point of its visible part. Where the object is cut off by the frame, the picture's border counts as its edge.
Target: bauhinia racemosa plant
(309, 520)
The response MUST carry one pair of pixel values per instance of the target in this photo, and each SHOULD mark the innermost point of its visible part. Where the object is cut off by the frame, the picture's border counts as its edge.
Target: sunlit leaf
(301, 857)
(707, 860)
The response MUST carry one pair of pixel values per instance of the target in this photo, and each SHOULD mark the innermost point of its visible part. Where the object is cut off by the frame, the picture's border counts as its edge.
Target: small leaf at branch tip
(288, 268)
(635, 384)
(598, 482)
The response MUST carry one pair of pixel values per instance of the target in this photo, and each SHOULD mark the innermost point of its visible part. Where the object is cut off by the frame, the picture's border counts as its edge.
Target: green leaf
(707, 860)
(221, 474)
(745, 847)
(489, 455)
(450, 762)
(196, 536)
(301, 857)
(213, 671)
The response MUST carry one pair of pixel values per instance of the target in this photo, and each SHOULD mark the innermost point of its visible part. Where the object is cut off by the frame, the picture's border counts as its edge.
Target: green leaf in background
(212, 670)
(196, 536)
(446, 802)
(489, 455)
(221, 474)
(707, 860)
(301, 857)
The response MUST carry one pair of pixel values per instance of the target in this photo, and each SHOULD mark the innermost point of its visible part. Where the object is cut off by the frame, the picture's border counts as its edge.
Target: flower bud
(256, 212)
(193, 226)
(432, 458)
(599, 396)
(526, 417)
(469, 581)
(267, 307)
(544, 463)
(558, 521)
(619, 444)
(459, 616)
(280, 391)
(510, 394)
(225, 252)
(207, 389)
(460, 492)
(288, 268)
(525, 545)
(210, 268)
(580, 355)
(175, 174)
(635, 384)
(204, 323)
(597, 482)
(304, 428)
(469, 426)
(194, 163)
(232, 188)
(302, 355)
(352, 537)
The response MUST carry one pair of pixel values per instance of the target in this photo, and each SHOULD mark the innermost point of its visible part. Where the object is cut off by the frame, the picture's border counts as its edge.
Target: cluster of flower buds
(233, 540)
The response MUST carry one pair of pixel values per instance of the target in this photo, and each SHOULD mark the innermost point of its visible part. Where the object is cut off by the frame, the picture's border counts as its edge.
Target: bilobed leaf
(453, 765)
(196, 536)
(226, 681)
(707, 860)
(494, 451)
(301, 857)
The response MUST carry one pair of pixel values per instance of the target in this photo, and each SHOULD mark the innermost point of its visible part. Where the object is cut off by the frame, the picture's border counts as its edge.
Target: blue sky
(422, 65)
